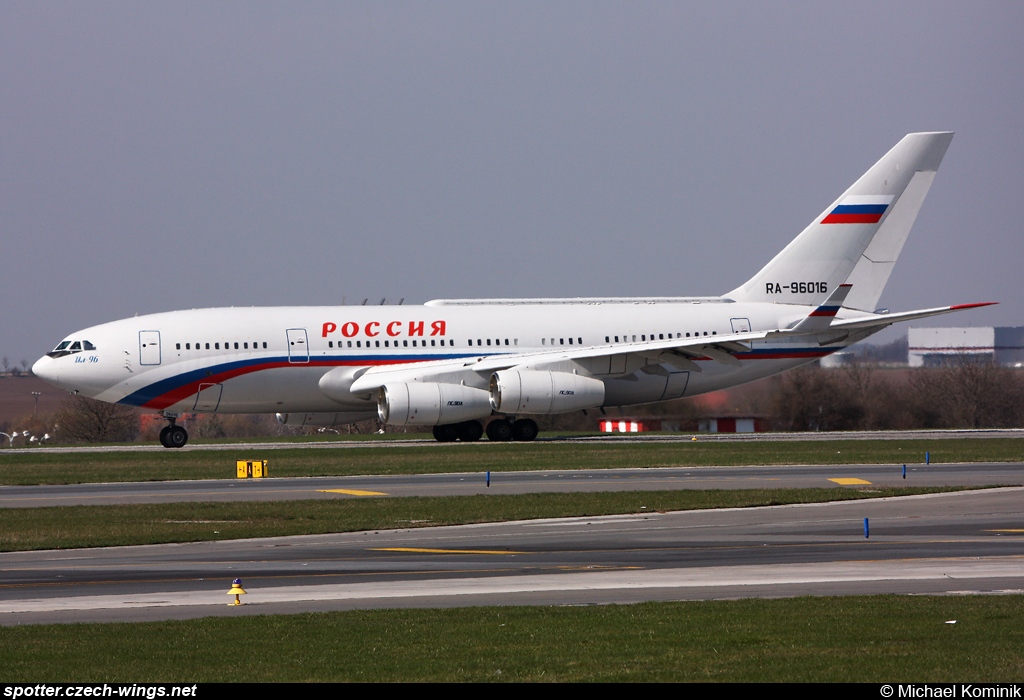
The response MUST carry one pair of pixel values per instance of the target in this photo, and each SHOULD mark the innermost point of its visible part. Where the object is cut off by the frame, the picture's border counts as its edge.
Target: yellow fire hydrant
(236, 590)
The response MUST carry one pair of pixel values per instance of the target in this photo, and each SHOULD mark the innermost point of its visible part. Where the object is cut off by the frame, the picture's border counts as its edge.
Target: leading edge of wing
(717, 346)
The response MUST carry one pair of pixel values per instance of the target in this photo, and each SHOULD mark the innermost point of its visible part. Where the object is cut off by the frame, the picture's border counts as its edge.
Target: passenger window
(177, 346)
(216, 346)
(188, 346)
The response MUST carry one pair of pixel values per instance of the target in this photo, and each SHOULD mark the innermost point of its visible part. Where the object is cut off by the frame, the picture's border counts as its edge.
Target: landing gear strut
(173, 435)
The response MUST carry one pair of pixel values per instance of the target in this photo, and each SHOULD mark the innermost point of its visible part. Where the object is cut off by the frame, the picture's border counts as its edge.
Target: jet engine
(424, 403)
(529, 391)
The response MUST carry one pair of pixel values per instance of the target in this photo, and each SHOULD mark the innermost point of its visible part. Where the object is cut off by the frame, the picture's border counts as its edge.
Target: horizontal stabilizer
(880, 321)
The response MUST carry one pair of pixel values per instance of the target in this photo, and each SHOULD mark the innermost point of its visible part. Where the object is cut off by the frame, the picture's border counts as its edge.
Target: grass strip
(25, 467)
(103, 526)
(876, 639)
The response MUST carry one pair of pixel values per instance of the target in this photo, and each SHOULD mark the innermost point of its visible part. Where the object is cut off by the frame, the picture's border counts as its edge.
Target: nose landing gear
(173, 435)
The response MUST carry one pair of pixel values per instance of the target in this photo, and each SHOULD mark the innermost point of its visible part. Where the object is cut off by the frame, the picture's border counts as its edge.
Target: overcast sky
(156, 156)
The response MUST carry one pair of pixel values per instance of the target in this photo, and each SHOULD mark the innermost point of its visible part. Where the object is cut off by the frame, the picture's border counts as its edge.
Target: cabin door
(149, 347)
(298, 345)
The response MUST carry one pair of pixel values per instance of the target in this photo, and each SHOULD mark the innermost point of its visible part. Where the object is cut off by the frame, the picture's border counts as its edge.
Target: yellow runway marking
(419, 550)
(353, 492)
(850, 481)
(1004, 530)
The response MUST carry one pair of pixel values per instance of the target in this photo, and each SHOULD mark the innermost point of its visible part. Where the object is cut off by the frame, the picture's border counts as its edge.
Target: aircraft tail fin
(859, 236)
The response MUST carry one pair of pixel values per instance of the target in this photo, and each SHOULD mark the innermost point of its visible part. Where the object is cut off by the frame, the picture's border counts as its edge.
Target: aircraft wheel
(499, 430)
(445, 433)
(470, 431)
(164, 440)
(176, 436)
(524, 430)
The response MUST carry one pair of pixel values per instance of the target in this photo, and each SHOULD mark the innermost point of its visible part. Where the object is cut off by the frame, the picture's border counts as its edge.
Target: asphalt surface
(946, 543)
(467, 484)
(966, 542)
(423, 440)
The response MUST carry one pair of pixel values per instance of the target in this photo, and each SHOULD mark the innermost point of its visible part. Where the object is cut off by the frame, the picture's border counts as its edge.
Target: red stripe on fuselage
(192, 388)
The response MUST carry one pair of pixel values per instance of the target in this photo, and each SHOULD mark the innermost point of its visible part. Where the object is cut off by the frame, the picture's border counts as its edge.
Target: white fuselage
(259, 360)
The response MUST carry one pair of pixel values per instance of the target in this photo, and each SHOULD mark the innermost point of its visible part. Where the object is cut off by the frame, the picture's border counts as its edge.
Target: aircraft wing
(680, 352)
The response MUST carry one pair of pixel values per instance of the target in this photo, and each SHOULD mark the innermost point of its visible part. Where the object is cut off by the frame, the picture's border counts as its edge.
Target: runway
(944, 543)
(548, 481)
(425, 441)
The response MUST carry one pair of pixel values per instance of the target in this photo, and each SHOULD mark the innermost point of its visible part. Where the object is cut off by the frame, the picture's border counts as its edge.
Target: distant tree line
(963, 394)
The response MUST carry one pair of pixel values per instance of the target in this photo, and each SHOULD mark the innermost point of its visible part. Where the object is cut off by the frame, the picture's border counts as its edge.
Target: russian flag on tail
(859, 209)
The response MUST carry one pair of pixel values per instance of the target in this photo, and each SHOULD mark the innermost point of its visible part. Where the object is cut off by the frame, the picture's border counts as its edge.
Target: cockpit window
(69, 347)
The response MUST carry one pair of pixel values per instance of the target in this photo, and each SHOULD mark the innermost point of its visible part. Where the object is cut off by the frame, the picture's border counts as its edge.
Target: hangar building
(935, 347)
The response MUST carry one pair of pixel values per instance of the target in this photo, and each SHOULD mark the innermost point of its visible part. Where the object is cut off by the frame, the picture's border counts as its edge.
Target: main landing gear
(173, 435)
(498, 430)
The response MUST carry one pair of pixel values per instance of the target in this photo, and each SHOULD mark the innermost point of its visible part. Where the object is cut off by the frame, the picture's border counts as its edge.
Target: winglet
(821, 318)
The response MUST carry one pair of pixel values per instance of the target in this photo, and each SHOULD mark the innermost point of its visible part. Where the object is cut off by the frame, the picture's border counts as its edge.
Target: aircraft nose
(46, 368)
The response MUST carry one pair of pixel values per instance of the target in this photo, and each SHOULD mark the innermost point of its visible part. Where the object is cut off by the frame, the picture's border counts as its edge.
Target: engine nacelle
(424, 403)
(529, 391)
(339, 418)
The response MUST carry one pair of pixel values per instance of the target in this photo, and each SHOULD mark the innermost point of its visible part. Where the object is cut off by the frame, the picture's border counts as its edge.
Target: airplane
(462, 364)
